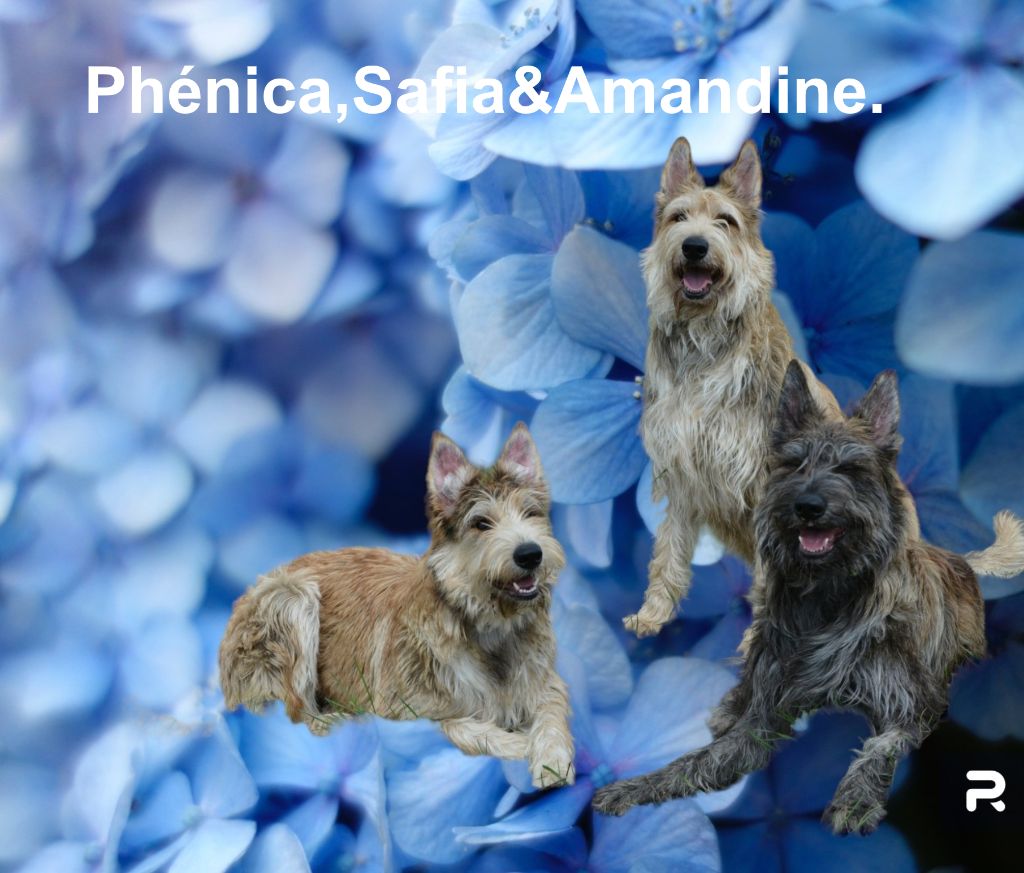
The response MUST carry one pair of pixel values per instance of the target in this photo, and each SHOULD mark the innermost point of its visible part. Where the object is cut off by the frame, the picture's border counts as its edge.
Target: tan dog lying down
(461, 635)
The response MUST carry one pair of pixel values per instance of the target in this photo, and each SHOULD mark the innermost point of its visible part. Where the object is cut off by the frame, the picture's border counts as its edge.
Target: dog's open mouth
(815, 542)
(697, 282)
(524, 588)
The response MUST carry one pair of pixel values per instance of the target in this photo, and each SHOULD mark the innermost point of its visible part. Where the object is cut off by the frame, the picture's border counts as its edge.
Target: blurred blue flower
(932, 61)
(973, 337)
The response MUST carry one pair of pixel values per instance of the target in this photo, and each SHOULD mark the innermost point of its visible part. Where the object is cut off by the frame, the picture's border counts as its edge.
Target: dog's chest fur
(497, 675)
(705, 426)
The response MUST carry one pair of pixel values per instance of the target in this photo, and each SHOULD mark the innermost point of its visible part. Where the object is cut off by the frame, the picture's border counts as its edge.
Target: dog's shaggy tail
(269, 651)
(1005, 557)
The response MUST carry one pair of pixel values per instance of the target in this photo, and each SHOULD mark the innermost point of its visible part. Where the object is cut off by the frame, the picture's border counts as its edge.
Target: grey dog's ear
(796, 409)
(679, 171)
(743, 178)
(880, 410)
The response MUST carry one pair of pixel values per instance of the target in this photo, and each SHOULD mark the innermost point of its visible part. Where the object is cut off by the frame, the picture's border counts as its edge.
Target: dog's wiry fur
(854, 611)
(461, 635)
(713, 370)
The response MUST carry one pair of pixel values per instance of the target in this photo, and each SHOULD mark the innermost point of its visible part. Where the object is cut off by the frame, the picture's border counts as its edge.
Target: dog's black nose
(694, 248)
(527, 555)
(810, 506)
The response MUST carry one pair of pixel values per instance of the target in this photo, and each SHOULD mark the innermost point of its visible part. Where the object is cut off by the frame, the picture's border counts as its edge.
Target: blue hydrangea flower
(930, 61)
(663, 40)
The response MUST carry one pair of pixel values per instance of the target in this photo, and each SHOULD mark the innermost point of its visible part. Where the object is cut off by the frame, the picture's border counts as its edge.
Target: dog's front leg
(476, 737)
(746, 747)
(859, 802)
(551, 749)
(669, 574)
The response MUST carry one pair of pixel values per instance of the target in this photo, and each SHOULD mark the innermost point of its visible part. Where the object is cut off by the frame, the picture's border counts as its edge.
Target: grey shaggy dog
(854, 611)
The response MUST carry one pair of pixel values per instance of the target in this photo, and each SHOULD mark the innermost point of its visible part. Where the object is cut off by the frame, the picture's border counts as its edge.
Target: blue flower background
(225, 340)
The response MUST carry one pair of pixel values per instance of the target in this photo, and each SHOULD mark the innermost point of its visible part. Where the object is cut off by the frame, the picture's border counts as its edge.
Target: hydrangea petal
(161, 815)
(967, 337)
(50, 683)
(191, 217)
(163, 662)
(599, 294)
(589, 531)
(89, 439)
(974, 171)
(807, 847)
(266, 542)
(891, 50)
(221, 783)
(586, 432)
(308, 173)
(145, 493)
(987, 697)
(276, 850)
(993, 478)
(444, 791)
(215, 845)
(279, 263)
(676, 837)
(554, 812)
(655, 730)
(223, 413)
(560, 197)
(509, 334)
(585, 633)
(312, 821)
(492, 237)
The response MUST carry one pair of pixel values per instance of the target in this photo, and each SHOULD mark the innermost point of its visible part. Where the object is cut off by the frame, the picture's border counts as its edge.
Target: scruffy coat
(713, 372)
(368, 631)
(877, 620)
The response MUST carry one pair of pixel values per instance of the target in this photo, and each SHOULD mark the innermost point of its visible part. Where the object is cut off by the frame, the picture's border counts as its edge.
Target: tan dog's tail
(269, 651)
(1005, 557)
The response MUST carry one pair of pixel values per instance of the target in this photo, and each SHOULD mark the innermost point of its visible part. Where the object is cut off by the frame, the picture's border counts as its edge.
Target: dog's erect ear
(679, 171)
(520, 456)
(743, 178)
(880, 409)
(797, 408)
(447, 472)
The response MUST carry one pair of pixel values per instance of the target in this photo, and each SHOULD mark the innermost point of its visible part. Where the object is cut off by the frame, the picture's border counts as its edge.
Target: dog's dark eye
(680, 216)
(481, 524)
(848, 469)
(534, 512)
(727, 219)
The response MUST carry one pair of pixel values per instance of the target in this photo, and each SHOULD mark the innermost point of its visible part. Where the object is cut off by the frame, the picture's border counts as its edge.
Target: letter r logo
(998, 786)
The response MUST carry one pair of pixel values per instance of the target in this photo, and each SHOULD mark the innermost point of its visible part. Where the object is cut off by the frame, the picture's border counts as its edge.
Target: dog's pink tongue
(696, 280)
(816, 540)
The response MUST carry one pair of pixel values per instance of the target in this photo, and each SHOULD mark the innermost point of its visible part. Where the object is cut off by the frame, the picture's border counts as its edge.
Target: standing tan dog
(716, 356)
(461, 635)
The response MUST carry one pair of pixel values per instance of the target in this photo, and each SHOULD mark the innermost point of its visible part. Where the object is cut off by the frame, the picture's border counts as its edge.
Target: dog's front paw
(552, 769)
(649, 621)
(854, 814)
(617, 798)
(320, 725)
